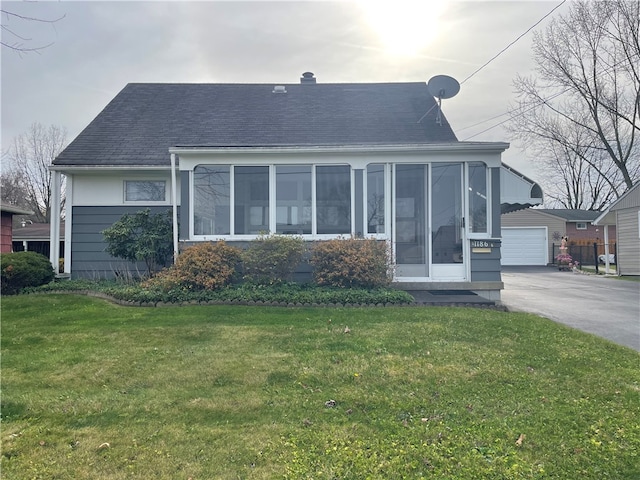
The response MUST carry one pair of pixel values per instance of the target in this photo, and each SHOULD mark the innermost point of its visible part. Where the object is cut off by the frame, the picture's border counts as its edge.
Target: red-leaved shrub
(352, 262)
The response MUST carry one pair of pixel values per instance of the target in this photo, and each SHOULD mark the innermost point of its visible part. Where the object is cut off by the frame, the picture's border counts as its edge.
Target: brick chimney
(307, 78)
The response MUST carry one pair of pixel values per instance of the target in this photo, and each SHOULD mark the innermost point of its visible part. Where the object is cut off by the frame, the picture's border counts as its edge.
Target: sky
(93, 49)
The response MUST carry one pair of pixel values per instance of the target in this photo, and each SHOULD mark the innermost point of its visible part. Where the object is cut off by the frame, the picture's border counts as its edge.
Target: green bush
(205, 266)
(24, 269)
(352, 263)
(272, 259)
(143, 237)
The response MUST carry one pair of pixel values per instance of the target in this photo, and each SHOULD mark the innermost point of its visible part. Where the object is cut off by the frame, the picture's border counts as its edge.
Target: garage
(524, 246)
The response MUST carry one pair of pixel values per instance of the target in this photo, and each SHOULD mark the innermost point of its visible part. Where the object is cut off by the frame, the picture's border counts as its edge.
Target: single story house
(531, 236)
(322, 161)
(6, 225)
(624, 216)
(34, 237)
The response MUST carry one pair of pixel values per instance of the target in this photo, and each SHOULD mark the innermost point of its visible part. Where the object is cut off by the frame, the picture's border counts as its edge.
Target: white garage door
(524, 246)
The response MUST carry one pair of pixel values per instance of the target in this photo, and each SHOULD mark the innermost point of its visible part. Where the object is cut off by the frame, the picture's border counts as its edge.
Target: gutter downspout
(174, 204)
(606, 248)
(54, 227)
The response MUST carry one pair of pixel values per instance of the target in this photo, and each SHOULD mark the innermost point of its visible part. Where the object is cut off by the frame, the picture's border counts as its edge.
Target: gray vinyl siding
(89, 258)
(628, 246)
(485, 267)
(630, 200)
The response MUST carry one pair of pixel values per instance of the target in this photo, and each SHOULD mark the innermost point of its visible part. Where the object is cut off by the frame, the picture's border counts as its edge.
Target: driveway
(607, 307)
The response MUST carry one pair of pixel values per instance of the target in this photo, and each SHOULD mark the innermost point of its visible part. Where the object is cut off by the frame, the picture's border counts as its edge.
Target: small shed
(624, 214)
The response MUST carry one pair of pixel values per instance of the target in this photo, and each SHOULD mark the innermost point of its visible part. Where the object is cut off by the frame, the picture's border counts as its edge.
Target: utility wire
(507, 47)
(542, 102)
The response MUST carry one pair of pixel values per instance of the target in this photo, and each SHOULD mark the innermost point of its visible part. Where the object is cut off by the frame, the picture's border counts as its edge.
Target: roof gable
(140, 124)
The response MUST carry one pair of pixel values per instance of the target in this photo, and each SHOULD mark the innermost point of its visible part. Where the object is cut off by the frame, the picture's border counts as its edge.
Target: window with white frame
(581, 226)
(211, 200)
(375, 199)
(333, 199)
(293, 199)
(251, 200)
(145, 190)
(478, 219)
(309, 200)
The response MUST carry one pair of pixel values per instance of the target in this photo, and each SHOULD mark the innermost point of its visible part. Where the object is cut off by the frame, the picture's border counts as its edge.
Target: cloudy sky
(96, 48)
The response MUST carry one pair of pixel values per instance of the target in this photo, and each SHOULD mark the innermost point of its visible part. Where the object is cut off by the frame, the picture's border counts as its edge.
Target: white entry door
(447, 227)
(429, 235)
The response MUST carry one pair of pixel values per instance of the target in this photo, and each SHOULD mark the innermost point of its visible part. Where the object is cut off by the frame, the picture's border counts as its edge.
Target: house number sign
(482, 244)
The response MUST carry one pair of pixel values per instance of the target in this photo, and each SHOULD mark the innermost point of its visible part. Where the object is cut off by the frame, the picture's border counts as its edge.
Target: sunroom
(437, 205)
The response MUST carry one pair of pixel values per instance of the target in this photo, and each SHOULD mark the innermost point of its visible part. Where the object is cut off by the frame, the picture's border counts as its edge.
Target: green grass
(95, 390)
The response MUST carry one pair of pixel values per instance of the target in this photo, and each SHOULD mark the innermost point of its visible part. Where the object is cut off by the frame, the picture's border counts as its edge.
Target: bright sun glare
(404, 27)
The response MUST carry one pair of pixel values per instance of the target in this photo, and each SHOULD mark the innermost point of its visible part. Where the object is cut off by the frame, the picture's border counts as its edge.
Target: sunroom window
(333, 199)
(211, 202)
(478, 198)
(375, 199)
(293, 199)
(308, 200)
(251, 195)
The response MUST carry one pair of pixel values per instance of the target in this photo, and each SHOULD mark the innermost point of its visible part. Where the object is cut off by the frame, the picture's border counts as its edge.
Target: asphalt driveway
(607, 307)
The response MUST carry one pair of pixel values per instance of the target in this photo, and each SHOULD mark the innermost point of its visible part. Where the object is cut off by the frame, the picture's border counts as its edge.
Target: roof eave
(497, 147)
(93, 168)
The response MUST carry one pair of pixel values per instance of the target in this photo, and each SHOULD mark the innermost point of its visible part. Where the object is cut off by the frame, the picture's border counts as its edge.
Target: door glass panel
(410, 214)
(446, 212)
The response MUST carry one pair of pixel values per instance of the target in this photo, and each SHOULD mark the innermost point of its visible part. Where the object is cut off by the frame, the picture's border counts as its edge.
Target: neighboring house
(6, 227)
(34, 237)
(529, 236)
(317, 160)
(624, 216)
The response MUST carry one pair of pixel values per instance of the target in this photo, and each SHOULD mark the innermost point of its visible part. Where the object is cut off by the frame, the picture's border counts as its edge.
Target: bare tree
(580, 113)
(19, 42)
(30, 156)
(12, 189)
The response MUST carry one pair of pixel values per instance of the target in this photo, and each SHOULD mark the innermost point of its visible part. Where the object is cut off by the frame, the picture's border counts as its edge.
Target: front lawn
(95, 390)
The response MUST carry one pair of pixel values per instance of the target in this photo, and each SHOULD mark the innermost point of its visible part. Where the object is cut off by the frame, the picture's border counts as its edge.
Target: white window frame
(387, 202)
(146, 202)
(581, 226)
(478, 235)
(272, 203)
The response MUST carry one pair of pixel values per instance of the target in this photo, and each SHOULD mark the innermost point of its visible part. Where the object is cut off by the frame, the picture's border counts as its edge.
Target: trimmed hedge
(24, 269)
(272, 259)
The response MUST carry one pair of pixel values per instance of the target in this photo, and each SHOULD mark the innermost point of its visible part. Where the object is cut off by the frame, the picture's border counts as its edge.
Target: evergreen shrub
(24, 269)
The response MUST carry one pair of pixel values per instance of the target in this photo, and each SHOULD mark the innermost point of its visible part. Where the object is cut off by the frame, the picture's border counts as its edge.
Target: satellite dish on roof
(442, 86)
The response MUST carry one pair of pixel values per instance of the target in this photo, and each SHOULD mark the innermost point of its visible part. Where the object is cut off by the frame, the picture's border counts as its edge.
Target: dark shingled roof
(140, 124)
(572, 215)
